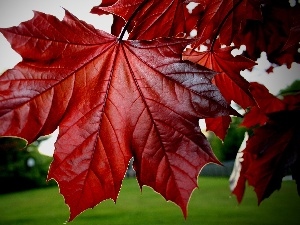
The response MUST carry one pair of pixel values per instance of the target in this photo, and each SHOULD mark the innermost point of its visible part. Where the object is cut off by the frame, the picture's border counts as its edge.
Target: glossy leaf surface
(112, 100)
(231, 84)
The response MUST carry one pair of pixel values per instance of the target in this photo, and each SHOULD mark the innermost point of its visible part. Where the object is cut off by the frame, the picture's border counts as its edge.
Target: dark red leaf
(218, 125)
(277, 34)
(272, 152)
(292, 101)
(266, 103)
(224, 19)
(153, 18)
(112, 100)
(118, 22)
(231, 84)
(254, 117)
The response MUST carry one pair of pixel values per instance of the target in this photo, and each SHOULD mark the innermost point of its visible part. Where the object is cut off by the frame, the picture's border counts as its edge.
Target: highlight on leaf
(229, 81)
(116, 99)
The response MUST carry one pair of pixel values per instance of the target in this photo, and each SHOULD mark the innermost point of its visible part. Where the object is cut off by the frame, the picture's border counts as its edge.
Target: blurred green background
(22, 167)
(210, 204)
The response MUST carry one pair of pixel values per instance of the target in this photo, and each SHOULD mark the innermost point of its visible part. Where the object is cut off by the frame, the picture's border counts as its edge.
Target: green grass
(210, 204)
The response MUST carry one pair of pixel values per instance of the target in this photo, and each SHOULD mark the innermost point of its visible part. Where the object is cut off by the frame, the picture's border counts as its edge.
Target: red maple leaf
(151, 18)
(112, 100)
(254, 117)
(277, 33)
(118, 22)
(273, 150)
(271, 153)
(231, 84)
(218, 125)
(266, 103)
(223, 19)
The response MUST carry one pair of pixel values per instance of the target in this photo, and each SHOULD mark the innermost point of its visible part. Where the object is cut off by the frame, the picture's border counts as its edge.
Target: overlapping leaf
(118, 22)
(152, 18)
(224, 19)
(231, 84)
(266, 103)
(272, 152)
(112, 100)
(277, 33)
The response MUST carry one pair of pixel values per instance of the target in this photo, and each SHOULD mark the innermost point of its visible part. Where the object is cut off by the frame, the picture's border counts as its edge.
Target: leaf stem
(222, 23)
(130, 19)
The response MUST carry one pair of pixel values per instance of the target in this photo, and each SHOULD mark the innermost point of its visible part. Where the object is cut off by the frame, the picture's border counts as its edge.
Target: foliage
(227, 149)
(292, 89)
(21, 167)
(278, 150)
(115, 99)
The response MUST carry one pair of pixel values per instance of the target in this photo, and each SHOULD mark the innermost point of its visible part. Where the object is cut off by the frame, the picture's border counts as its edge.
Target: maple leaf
(277, 33)
(272, 151)
(266, 103)
(118, 22)
(231, 84)
(254, 117)
(218, 125)
(151, 18)
(112, 100)
(223, 19)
